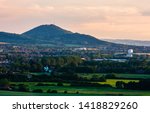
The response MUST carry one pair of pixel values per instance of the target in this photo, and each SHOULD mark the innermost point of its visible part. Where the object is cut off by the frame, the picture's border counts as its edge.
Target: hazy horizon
(104, 19)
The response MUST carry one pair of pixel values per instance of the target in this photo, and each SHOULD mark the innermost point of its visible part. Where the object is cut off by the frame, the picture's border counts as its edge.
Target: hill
(52, 34)
(14, 38)
(45, 32)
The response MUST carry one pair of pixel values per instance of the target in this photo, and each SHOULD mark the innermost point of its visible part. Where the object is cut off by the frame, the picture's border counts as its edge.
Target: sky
(104, 19)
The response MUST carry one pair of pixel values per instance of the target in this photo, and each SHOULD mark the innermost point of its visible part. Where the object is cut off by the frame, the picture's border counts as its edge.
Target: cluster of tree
(76, 64)
(54, 77)
(141, 85)
(59, 77)
(23, 64)
(4, 84)
(131, 66)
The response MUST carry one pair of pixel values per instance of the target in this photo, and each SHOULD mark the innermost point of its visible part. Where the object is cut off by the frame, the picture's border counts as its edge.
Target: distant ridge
(14, 38)
(129, 42)
(59, 36)
(52, 35)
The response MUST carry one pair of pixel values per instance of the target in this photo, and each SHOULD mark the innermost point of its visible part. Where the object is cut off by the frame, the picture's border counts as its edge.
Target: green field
(137, 76)
(86, 91)
(127, 76)
(83, 91)
(42, 73)
(71, 90)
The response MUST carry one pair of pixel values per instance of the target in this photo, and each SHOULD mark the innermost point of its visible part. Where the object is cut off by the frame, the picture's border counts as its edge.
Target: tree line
(141, 85)
(76, 64)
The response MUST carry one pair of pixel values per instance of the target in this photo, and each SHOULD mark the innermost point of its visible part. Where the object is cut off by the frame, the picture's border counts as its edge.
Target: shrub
(23, 88)
(65, 92)
(4, 83)
(77, 92)
(110, 76)
(98, 79)
(49, 91)
(40, 84)
(43, 84)
(38, 91)
(54, 91)
(59, 84)
(120, 84)
(13, 85)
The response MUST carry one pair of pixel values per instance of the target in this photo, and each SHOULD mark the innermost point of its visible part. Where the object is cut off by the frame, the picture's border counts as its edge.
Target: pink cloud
(101, 18)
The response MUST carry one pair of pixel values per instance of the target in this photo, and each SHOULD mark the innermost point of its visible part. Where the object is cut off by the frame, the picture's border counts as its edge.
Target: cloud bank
(101, 18)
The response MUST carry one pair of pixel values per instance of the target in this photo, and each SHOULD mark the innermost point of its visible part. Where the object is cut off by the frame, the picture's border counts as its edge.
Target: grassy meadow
(71, 91)
(67, 90)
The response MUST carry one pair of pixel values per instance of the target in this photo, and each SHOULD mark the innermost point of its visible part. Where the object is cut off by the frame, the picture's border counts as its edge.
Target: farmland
(120, 76)
(71, 91)
(70, 75)
(67, 90)
(112, 82)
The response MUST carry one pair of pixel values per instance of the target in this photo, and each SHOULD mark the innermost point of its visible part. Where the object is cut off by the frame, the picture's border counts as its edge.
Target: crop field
(112, 82)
